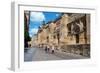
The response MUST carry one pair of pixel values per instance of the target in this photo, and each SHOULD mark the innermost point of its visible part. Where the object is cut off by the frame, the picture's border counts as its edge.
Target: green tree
(26, 33)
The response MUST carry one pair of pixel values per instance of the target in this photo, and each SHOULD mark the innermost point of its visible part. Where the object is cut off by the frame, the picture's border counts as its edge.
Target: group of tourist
(50, 49)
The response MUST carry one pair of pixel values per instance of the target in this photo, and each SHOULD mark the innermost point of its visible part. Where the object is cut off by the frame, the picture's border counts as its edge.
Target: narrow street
(38, 54)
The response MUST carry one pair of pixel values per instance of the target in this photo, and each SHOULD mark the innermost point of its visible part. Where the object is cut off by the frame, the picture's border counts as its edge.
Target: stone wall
(80, 49)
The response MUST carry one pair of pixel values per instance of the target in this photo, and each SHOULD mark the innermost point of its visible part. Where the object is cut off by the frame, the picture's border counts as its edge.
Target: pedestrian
(46, 49)
(52, 50)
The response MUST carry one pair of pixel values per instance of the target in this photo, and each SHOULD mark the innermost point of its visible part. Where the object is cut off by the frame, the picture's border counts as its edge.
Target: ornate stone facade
(70, 32)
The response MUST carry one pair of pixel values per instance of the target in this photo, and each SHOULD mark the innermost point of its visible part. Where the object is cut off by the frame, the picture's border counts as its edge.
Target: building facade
(70, 32)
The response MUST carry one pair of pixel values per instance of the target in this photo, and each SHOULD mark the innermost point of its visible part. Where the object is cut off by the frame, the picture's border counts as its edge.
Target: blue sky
(37, 18)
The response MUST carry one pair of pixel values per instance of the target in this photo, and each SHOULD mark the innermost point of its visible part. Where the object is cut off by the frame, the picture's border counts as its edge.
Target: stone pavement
(69, 56)
(38, 54)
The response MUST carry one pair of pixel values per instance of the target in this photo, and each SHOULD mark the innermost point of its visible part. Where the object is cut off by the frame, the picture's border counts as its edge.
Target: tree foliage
(26, 33)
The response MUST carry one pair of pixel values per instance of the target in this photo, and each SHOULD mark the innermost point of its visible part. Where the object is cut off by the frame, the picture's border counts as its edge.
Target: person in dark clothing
(46, 49)
(52, 50)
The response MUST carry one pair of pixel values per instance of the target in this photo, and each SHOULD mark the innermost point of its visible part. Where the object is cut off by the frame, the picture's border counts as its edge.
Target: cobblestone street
(38, 54)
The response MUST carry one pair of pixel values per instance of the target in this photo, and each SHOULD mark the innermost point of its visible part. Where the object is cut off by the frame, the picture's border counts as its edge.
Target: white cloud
(37, 16)
(57, 14)
(33, 31)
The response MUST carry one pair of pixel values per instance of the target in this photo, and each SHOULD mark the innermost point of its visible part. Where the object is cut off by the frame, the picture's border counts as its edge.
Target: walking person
(52, 49)
(46, 49)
